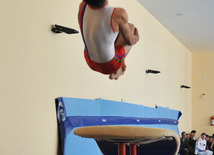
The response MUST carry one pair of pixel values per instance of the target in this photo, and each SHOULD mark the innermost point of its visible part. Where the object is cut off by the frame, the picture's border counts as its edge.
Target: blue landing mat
(73, 113)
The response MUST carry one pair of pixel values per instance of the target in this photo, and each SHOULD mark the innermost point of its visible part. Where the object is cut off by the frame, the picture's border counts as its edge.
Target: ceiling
(190, 21)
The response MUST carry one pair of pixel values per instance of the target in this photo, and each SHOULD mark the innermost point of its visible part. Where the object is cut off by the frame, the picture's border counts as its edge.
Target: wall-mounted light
(60, 29)
(187, 87)
(203, 96)
(152, 71)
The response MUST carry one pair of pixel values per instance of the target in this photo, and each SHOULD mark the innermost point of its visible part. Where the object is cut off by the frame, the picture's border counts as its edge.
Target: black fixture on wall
(152, 71)
(60, 29)
(187, 87)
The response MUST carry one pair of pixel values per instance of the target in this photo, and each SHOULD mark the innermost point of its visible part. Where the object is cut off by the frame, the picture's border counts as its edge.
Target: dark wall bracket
(60, 29)
(152, 71)
(187, 87)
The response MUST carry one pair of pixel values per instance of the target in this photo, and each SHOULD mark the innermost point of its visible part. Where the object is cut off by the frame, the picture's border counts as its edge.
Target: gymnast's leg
(121, 41)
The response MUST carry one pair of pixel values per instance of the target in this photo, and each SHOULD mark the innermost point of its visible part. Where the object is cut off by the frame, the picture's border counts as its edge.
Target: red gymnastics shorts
(111, 66)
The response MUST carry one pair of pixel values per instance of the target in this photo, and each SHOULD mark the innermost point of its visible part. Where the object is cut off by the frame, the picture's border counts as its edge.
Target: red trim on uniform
(108, 67)
(111, 21)
(80, 13)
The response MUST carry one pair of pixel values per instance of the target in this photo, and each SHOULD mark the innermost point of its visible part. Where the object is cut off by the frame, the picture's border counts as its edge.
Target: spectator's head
(183, 134)
(192, 134)
(95, 3)
(187, 135)
(210, 138)
(203, 136)
(207, 137)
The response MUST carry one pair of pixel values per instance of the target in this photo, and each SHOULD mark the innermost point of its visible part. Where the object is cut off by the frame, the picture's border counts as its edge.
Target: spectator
(200, 147)
(209, 141)
(192, 142)
(212, 144)
(187, 135)
(207, 137)
(183, 148)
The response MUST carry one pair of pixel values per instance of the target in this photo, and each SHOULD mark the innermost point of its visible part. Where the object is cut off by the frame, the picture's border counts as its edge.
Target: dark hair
(193, 131)
(95, 3)
(203, 134)
(183, 133)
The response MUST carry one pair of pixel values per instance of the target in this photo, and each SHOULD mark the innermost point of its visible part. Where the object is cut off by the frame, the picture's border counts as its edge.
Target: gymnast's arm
(127, 30)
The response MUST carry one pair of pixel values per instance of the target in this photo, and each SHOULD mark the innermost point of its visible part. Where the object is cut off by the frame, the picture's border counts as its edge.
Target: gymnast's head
(95, 3)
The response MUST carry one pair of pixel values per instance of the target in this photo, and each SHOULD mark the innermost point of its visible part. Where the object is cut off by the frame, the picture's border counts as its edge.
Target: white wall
(37, 66)
(202, 109)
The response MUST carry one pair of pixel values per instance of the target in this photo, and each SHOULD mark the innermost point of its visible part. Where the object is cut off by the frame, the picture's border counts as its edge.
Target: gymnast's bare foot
(118, 73)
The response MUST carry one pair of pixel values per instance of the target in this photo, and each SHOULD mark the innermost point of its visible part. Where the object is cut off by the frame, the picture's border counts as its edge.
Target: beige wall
(202, 83)
(37, 66)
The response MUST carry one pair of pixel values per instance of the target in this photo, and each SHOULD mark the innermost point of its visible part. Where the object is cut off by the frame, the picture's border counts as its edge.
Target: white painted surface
(190, 21)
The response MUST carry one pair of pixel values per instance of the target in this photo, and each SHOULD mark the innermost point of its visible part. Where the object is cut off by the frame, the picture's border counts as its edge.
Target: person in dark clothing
(184, 150)
(192, 142)
(209, 141)
(187, 135)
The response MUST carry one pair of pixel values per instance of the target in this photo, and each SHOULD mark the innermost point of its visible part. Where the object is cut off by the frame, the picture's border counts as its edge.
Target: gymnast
(107, 36)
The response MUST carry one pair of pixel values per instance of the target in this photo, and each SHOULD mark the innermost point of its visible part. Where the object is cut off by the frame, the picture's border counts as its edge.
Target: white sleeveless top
(98, 33)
